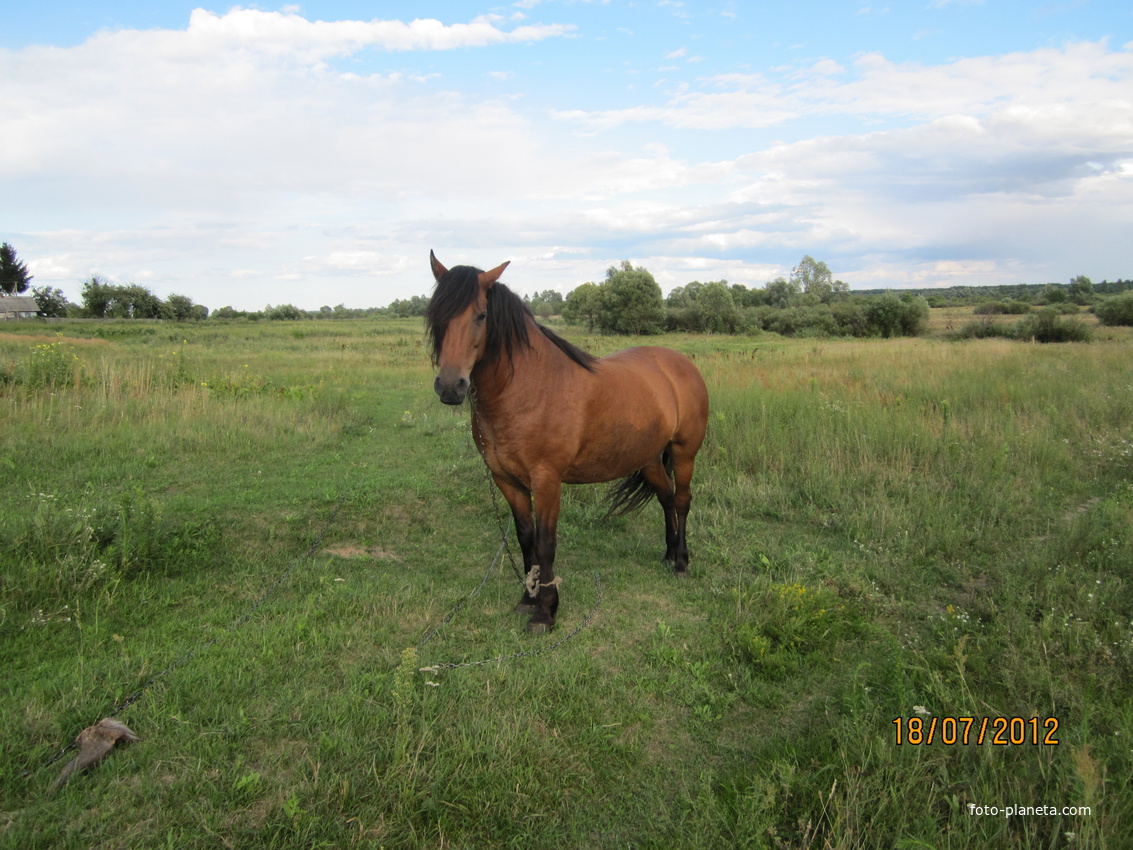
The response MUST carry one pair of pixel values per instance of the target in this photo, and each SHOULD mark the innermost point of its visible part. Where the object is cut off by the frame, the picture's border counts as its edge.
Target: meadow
(248, 530)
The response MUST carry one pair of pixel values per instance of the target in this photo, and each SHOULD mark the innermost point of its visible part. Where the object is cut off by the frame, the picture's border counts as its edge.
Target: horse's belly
(618, 452)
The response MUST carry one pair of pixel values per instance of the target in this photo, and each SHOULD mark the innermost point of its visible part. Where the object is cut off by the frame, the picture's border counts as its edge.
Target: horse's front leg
(519, 500)
(542, 585)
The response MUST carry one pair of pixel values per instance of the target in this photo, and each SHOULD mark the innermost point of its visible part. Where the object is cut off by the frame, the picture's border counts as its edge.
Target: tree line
(808, 302)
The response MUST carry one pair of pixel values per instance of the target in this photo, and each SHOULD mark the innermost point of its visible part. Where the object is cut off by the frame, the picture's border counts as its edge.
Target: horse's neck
(519, 376)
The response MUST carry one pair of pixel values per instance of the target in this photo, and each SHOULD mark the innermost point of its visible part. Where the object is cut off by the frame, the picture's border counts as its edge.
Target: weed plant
(271, 519)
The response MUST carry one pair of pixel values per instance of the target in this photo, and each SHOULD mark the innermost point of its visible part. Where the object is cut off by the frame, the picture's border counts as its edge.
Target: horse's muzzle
(451, 392)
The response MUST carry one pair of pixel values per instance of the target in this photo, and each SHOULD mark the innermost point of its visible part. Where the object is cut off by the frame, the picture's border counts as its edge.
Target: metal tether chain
(500, 522)
(504, 527)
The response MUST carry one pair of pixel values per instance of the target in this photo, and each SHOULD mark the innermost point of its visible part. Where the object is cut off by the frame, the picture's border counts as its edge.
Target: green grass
(880, 529)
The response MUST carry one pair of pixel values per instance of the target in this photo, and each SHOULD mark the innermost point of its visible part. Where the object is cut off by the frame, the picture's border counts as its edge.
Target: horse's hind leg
(658, 477)
(682, 498)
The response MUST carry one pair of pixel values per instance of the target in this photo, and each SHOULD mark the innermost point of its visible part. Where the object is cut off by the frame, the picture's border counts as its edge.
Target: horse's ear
(488, 278)
(439, 271)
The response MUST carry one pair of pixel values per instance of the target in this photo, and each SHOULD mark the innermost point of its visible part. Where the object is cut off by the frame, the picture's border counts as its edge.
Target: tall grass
(880, 530)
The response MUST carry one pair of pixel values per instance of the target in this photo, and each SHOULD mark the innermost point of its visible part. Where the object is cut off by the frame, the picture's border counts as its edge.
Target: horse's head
(457, 324)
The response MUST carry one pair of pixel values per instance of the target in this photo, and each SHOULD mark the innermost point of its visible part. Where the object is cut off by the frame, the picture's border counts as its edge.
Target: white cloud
(994, 156)
(193, 120)
(288, 32)
(1085, 73)
(249, 159)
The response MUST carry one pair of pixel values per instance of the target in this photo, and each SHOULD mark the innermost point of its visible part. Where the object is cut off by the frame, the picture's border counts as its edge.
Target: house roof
(18, 304)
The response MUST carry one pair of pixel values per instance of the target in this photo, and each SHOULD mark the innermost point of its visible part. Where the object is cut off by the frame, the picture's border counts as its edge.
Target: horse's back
(671, 377)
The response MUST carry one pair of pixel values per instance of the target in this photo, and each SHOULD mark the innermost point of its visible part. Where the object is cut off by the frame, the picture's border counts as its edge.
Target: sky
(313, 153)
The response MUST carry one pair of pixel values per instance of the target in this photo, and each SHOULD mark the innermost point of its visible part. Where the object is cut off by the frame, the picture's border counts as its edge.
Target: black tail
(634, 492)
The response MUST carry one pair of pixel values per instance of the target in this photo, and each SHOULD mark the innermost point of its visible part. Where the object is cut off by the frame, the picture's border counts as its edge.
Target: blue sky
(313, 153)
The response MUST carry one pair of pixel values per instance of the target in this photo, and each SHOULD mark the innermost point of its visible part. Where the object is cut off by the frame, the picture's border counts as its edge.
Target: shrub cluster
(1046, 325)
(884, 315)
(1117, 310)
(1002, 308)
(105, 300)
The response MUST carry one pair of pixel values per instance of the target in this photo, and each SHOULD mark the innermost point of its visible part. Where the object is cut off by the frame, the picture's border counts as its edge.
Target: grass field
(887, 536)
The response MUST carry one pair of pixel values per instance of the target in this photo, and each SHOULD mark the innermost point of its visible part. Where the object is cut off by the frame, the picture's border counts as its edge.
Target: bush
(1047, 326)
(893, 316)
(1066, 308)
(798, 321)
(1117, 310)
(850, 317)
(284, 313)
(682, 320)
(1002, 308)
(985, 329)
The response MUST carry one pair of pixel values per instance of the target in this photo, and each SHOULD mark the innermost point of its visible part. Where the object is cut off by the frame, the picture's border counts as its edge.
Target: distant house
(18, 307)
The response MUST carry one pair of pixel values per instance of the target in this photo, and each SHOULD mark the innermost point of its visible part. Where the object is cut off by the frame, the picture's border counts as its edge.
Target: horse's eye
(483, 317)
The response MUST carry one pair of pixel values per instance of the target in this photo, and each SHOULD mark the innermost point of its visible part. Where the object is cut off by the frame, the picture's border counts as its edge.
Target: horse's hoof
(681, 573)
(539, 627)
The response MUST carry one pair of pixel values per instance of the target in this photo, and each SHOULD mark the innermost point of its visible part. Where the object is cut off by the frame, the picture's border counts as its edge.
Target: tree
(104, 300)
(582, 305)
(715, 308)
(740, 294)
(545, 304)
(52, 302)
(284, 313)
(631, 301)
(814, 278)
(782, 292)
(98, 296)
(684, 297)
(137, 302)
(1054, 294)
(180, 308)
(406, 307)
(14, 277)
(1081, 290)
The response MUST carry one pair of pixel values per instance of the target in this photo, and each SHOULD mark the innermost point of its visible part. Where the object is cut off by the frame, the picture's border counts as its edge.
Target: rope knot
(533, 584)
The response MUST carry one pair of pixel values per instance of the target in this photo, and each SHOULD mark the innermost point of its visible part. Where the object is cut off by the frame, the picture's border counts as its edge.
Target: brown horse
(544, 412)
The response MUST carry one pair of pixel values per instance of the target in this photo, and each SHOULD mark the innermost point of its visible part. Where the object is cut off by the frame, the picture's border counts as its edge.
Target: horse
(545, 413)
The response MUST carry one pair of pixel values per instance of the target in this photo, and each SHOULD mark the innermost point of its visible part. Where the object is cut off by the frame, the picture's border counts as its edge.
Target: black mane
(507, 317)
